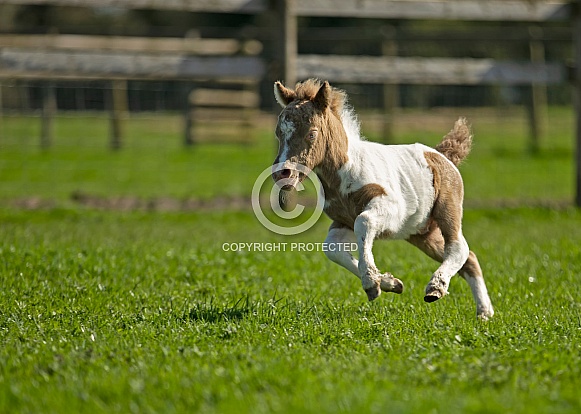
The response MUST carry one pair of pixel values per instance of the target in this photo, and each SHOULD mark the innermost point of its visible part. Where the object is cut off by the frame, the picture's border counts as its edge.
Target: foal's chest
(344, 209)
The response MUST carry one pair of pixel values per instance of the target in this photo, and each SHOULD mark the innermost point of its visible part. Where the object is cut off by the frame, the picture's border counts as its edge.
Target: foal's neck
(336, 156)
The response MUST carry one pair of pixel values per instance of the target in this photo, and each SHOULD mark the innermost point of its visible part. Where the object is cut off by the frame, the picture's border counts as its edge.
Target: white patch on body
(403, 172)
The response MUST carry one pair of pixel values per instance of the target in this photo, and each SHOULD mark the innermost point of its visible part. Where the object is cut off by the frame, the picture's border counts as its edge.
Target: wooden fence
(184, 60)
(117, 59)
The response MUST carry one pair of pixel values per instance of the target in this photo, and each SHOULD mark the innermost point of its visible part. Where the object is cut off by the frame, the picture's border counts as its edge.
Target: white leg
(484, 309)
(365, 232)
(336, 237)
(472, 273)
(368, 225)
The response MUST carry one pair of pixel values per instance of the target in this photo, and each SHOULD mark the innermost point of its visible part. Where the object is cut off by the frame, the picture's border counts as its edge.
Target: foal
(373, 191)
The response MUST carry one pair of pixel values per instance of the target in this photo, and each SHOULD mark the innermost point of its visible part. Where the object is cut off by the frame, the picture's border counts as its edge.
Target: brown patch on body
(431, 242)
(448, 195)
(365, 194)
(472, 267)
(344, 209)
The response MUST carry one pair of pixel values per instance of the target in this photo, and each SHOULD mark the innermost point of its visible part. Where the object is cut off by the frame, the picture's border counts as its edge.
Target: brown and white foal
(373, 191)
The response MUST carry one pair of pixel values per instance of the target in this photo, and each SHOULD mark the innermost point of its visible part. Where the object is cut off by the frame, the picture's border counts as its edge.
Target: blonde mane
(339, 105)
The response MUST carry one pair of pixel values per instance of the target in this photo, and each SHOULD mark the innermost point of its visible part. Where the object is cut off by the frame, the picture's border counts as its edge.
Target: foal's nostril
(285, 173)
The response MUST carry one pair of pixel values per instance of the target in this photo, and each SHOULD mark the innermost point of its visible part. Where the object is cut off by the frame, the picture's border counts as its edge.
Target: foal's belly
(406, 219)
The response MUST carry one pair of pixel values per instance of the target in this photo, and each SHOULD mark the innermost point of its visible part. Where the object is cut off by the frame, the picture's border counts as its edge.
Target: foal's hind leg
(432, 243)
(456, 253)
(472, 273)
(447, 213)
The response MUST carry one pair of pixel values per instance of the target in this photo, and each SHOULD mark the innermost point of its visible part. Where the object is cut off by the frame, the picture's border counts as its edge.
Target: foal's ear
(323, 97)
(283, 95)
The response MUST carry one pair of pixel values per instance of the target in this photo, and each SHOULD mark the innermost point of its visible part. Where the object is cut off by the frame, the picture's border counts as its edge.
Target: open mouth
(288, 178)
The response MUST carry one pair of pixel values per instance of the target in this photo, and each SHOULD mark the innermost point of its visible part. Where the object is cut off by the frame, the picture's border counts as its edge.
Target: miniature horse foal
(373, 191)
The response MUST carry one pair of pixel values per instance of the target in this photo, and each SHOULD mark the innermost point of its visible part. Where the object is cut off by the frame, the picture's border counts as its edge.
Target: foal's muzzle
(287, 178)
(279, 175)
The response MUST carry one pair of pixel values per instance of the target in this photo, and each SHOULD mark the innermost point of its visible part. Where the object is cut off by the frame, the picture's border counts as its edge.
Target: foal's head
(309, 129)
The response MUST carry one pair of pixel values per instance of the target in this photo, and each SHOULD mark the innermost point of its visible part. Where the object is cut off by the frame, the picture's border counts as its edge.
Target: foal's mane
(338, 103)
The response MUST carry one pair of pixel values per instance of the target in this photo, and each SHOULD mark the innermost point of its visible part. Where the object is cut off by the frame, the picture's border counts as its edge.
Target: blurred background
(155, 105)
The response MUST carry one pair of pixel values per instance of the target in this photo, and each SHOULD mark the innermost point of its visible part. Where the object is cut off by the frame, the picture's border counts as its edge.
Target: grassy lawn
(136, 311)
(154, 164)
(145, 312)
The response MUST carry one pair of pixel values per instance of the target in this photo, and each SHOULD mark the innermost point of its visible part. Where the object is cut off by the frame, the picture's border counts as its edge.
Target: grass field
(154, 163)
(143, 311)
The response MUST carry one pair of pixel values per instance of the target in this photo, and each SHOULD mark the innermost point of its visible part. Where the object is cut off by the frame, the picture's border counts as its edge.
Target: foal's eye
(312, 135)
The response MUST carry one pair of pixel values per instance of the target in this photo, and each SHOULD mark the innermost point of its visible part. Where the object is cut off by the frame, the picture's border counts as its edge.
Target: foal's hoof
(435, 291)
(433, 295)
(391, 284)
(373, 292)
(484, 314)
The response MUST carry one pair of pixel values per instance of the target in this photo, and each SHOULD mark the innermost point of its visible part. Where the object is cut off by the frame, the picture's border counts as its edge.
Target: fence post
(577, 100)
(288, 41)
(1, 115)
(189, 137)
(118, 111)
(538, 100)
(49, 108)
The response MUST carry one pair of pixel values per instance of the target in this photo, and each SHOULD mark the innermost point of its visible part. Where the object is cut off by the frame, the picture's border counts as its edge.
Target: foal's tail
(457, 143)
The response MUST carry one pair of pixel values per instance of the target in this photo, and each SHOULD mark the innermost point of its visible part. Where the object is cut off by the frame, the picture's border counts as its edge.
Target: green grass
(144, 312)
(154, 164)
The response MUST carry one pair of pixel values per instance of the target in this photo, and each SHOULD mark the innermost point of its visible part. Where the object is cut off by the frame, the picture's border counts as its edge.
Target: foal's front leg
(368, 225)
(340, 236)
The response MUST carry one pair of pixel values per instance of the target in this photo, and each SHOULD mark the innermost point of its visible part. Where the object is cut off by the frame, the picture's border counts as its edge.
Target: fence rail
(32, 64)
(512, 10)
(195, 46)
(428, 71)
(441, 10)
(215, 6)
